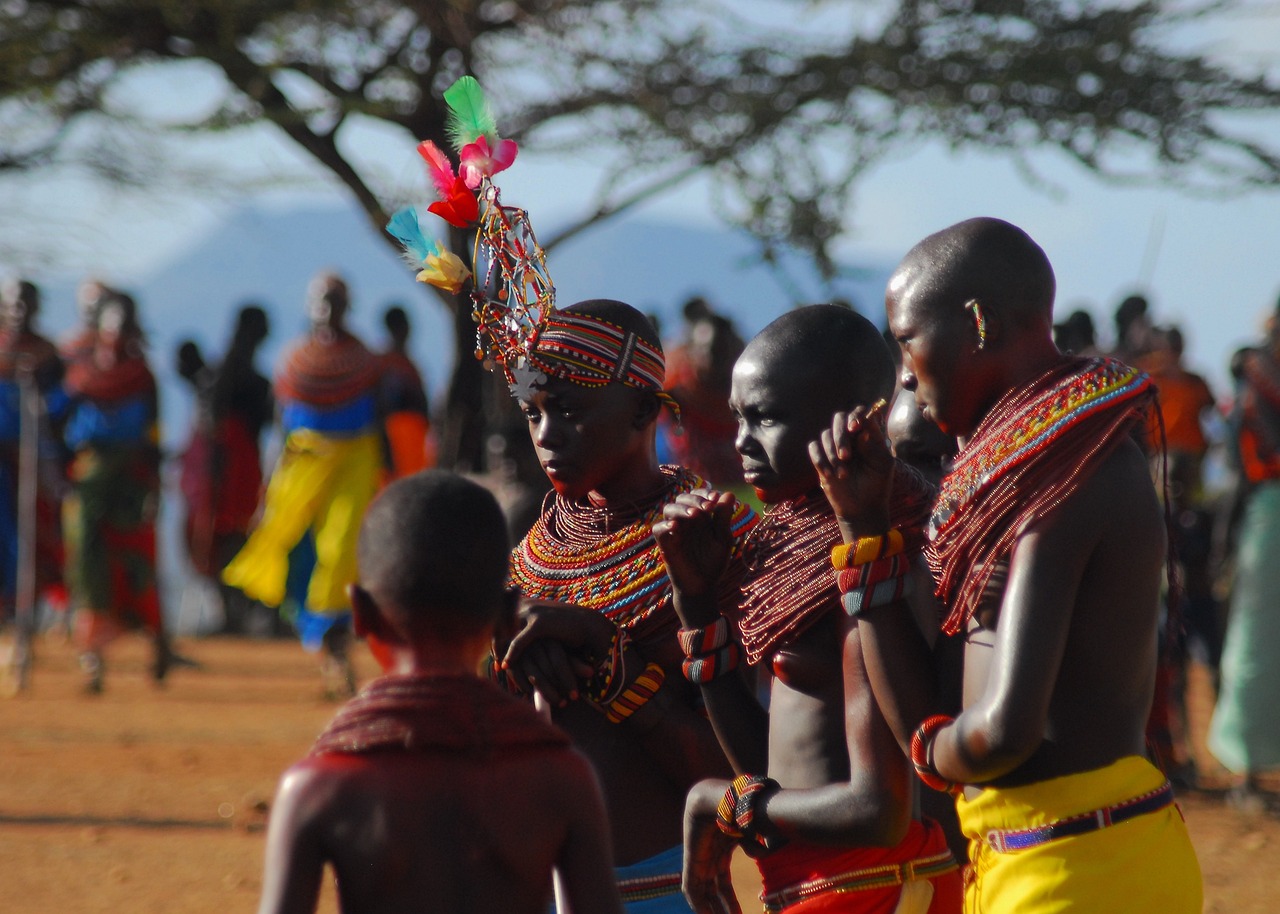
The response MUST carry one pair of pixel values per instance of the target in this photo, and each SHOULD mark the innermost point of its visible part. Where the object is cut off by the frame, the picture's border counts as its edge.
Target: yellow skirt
(1142, 864)
(319, 483)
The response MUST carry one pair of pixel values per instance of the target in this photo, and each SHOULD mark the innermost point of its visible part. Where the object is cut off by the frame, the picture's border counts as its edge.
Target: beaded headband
(518, 328)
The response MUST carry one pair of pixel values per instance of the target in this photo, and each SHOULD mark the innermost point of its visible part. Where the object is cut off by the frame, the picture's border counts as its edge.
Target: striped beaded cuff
(868, 549)
(695, 641)
(637, 694)
(609, 675)
(893, 566)
(704, 668)
(922, 754)
(860, 599)
(736, 812)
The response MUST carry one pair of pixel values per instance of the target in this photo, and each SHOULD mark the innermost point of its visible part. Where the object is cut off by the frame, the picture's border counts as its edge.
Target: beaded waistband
(872, 877)
(1021, 839)
(642, 888)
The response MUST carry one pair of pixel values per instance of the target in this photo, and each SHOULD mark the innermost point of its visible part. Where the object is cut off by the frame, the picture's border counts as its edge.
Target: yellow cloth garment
(1143, 864)
(320, 483)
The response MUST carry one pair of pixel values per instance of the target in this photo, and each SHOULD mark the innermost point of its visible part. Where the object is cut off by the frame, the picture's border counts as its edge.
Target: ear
(648, 406)
(365, 616)
(506, 626)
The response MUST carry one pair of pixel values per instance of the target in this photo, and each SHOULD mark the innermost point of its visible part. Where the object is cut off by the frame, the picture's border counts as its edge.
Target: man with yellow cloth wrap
(327, 473)
(1047, 549)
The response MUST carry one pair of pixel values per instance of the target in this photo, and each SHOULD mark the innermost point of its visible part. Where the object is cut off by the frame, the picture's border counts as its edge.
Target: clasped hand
(855, 467)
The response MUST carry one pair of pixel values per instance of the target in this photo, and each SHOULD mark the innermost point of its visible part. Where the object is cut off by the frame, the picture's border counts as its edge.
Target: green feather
(469, 113)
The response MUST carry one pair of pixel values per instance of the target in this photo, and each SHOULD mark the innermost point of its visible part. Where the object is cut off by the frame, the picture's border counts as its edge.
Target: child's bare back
(433, 790)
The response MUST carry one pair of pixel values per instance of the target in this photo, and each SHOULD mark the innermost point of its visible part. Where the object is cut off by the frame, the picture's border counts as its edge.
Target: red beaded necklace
(789, 583)
(1029, 454)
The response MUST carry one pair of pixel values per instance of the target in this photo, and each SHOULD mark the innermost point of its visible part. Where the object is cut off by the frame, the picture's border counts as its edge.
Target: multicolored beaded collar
(575, 554)
(1031, 451)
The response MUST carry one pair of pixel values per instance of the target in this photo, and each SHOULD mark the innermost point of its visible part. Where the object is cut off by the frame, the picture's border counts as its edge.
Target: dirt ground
(147, 799)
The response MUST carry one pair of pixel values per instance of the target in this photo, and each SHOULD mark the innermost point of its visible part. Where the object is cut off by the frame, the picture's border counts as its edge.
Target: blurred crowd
(80, 465)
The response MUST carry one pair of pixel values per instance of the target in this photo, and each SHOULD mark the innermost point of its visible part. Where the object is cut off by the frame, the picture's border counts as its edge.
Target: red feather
(439, 166)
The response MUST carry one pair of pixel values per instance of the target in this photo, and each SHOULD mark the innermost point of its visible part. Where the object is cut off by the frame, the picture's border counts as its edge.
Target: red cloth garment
(424, 712)
(796, 863)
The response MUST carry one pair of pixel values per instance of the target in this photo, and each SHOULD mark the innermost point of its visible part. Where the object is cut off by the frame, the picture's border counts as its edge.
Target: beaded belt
(872, 877)
(642, 888)
(1008, 841)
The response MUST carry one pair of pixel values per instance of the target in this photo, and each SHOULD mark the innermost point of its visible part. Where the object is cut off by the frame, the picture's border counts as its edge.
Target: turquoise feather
(404, 227)
(469, 114)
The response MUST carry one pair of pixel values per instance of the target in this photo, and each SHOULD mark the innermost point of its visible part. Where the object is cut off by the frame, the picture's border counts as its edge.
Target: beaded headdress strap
(518, 328)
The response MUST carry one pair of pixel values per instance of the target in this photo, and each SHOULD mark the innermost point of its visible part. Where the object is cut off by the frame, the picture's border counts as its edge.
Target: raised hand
(708, 852)
(855, 466)
(696, 538)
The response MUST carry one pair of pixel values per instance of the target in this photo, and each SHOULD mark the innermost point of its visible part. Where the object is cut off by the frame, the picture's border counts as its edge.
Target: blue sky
(1209, 263)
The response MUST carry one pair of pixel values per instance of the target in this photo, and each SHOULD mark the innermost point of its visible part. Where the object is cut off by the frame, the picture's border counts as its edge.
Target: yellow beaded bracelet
(636, 694)
(867, 549)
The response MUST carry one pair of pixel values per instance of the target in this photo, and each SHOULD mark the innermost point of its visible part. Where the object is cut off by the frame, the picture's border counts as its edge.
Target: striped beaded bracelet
(703, 668)
(736, 812)
(868, 549)
(634, 697)
(858, 600)
(695, 641)
(893, 566)
(922, 754)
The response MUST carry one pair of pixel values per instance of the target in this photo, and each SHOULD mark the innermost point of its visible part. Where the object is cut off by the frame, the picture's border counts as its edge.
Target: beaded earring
(980, 319)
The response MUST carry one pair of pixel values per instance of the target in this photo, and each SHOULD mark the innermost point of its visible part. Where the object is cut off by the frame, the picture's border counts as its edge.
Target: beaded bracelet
(893, 566)
(858, 600)
(736, 811)
(704, 668)
(922, 754)
(695, 641)
(867, 549)
(634, 696)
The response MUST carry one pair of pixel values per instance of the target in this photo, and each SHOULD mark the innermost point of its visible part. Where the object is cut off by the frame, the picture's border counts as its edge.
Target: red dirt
(147, 799)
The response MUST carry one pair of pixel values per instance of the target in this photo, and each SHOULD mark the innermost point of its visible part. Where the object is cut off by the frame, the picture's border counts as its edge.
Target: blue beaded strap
(1022, 839)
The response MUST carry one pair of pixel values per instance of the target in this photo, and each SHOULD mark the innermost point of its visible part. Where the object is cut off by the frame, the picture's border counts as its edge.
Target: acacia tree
(784, 119)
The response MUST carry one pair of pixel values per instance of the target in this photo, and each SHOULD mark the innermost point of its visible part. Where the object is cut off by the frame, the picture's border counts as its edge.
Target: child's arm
(294, 858)
(585, 861)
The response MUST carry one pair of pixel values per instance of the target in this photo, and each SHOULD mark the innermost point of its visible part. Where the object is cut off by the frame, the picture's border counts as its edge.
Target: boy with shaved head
(1047, 543)
(599, 635)
(434, 790)
(822, 796)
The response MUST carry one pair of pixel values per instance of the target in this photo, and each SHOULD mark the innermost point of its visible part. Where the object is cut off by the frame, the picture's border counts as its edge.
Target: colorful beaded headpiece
(518, 328)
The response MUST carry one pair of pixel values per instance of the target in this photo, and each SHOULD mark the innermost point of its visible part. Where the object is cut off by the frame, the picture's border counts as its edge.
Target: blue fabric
(312, 627)
(10, 411)
(349, 418)
(124, 421)
(8, 533)
(662, 864)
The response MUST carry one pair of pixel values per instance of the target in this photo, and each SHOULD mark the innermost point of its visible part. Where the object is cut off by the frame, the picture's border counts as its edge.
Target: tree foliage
(784, 105)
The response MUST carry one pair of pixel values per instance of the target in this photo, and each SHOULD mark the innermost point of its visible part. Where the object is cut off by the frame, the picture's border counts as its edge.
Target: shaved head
(984, 259)
(837, 349)
(433, 552)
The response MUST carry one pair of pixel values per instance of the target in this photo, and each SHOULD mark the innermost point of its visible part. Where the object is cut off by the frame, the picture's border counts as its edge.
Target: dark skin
(822, 739)
(447, 830)
(1059, 661)
(598, 443)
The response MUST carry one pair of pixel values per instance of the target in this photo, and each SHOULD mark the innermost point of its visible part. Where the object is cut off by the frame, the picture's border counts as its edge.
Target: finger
(555, 679)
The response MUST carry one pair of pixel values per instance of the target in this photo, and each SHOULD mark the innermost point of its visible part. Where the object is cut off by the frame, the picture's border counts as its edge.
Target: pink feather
(439, 166)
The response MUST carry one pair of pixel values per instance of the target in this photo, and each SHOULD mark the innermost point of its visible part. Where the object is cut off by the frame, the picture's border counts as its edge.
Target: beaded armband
(867, 549)
(695, 641)
(611, 672)
(922, 754)
(736, 812)
(860, 599)
(703, 668)
(637, 694)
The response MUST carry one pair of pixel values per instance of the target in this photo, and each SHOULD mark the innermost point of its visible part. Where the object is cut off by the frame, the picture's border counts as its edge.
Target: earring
(980, 319)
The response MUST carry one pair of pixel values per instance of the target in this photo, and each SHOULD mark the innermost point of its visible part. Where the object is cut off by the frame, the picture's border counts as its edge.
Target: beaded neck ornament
(788, 584)
(1029, 453)
(518, 328)
(608, 560)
